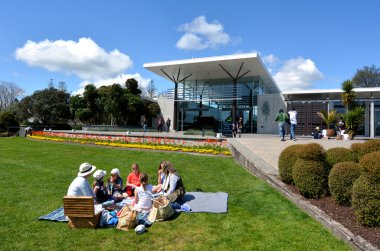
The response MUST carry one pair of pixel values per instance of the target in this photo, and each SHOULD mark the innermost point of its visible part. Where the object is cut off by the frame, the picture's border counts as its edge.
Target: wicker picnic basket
(80, 210)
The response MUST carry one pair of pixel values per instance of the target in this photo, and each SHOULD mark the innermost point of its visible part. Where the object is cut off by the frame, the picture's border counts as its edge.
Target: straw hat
(85, 169)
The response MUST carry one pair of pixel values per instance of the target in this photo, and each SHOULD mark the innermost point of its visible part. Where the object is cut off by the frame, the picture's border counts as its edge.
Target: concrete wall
(267, 110)
(167, 110)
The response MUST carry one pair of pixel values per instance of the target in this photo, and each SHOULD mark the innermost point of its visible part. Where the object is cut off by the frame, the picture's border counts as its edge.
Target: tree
(348, 96)
(132, 86)
(328, 117)
(354, 114)
(50, 106)
(367, 77)
(151, 90)
(7, 120)
(9, 92)
(92, 100)
(113, 101)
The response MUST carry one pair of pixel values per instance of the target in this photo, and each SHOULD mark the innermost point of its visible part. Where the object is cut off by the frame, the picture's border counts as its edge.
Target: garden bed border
(355, 241)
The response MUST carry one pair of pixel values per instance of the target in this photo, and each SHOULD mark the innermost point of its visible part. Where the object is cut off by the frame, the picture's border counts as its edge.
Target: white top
(80, 187)
(170, 183)
(293, 117)
(145, 198)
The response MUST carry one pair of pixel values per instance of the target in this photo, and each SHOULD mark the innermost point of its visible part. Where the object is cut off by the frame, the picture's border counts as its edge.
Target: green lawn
(35, 176)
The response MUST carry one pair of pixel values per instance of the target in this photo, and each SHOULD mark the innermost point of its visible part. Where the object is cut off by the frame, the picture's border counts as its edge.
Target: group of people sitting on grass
(137, 185)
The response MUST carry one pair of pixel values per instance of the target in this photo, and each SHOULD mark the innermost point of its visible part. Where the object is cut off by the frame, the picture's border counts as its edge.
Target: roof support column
(175, 106)
(372, 120)
(234, 102)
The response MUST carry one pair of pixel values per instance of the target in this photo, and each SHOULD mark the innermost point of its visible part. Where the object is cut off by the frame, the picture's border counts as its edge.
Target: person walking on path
(168, 125)
(293, 123)
(281, 120)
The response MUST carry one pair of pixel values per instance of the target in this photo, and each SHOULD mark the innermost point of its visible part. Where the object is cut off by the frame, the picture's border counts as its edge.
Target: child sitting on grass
(115, 184)
(133, 180)
(98, 186)
(143, 200)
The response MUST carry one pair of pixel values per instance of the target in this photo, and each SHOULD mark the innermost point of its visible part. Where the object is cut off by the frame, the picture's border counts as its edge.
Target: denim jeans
(292, 129)
(281, 129)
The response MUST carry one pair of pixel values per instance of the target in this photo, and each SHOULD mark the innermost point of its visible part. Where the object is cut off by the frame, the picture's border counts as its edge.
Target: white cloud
(84, 58)
(121, 79)
(199, 35)
(297, 74)
(270, 59)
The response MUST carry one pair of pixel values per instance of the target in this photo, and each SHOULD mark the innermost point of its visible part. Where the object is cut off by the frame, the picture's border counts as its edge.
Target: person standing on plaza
(281, 120)
(168, 125)
(293, 123)
(159, 124)
(144, 124)
(240, 126)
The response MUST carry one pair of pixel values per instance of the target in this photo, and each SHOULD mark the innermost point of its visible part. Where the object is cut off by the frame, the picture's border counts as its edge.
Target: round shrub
(310, 177)
(371, 164)
(286, 161)
(369, 146)
(366, 201)
(341, 179)
(339, 154)
(358, 149)
(312, 151)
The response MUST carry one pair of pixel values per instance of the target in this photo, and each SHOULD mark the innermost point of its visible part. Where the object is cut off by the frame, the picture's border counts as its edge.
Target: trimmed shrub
(366, 201)
(371, 164)
(358, 149)
(286, 161)
(312, 151)
(310, 177)
(341, 179)
(339, 154)
(369, 146)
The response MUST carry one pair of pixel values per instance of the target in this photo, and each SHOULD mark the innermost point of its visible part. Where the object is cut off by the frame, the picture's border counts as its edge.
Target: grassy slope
(35, 175)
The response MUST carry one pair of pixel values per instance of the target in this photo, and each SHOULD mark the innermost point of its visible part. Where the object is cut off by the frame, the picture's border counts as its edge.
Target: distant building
(213, 92)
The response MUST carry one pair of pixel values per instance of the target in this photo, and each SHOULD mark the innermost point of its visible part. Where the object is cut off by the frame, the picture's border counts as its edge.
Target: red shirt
(134, 179)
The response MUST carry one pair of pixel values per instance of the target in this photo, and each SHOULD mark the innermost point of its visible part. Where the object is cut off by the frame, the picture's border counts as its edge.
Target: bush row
(352, 176)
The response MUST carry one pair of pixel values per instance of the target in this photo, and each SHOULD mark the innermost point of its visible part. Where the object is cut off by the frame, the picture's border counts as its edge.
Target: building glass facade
(209, 104)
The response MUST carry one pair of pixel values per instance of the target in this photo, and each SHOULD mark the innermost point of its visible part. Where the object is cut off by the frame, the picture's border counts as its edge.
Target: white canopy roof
(208, 68)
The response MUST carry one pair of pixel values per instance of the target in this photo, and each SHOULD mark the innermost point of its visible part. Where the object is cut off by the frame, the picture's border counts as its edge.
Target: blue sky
(304, 44)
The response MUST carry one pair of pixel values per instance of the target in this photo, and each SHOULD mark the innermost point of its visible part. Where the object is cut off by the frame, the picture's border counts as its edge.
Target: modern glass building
(213, 92)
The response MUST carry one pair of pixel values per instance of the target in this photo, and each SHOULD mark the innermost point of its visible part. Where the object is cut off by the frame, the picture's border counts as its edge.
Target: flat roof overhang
(209, 68)
(362, 94)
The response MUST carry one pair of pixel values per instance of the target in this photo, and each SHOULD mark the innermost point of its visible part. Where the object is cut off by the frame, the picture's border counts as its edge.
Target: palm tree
(353, 119)
(348, 96)
(328, 117)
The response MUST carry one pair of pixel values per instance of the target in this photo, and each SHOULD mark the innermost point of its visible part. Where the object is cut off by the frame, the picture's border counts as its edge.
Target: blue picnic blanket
(56, 215)
(201, 202)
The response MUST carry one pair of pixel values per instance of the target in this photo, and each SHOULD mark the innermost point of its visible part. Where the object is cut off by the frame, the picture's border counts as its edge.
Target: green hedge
(339, 154)
(341, 179)
(286, 161)
(310, 177)
(312, 151)
(361, 149)
(371, 164)
(366, 200)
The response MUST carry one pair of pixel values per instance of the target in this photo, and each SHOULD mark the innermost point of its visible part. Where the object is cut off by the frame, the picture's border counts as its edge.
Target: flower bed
(208, 146)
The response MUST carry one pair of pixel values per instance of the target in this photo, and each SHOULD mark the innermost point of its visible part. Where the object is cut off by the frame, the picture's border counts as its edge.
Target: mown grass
(35, 176)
